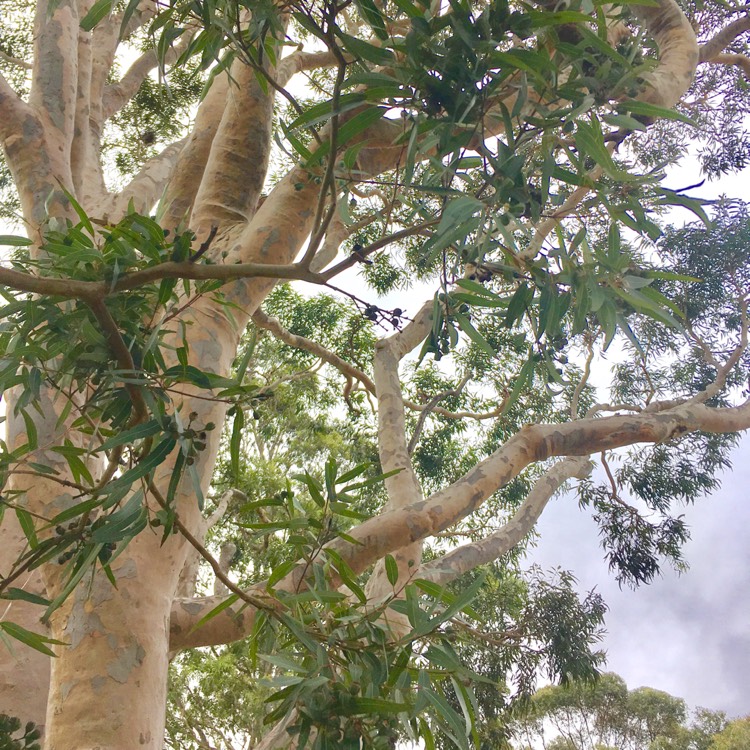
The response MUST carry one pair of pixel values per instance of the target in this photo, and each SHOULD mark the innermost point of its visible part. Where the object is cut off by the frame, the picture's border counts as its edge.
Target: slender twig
(122, 354)
(429, 407)
(267, 604)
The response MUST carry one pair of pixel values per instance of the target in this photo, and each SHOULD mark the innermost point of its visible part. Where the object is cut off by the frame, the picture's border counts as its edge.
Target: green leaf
(391, 569)
(37, 641)
(126, 437)
(366, 51)
(99, 10)
(347, 476)
(346, 574)
(280, 572)
(525, 379)
(235, 441)
(324, 111)
(457, 211)
(465, 325)
(217, 610)
(653, 110)
(447, 715)
(518, 304)
(26, 596)
(26, 522)
(12, 240)
(146, 465)
(372, 16)
(367, 706)
(75, 511)
(590, 142)
(82, 565)
(188, 374)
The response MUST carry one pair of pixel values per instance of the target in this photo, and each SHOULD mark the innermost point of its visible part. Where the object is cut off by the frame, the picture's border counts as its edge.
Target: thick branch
(191, 164)
(453, 564)
(740, 61)
(718, 43)
(678, 52)
(88, 290)
(54, 80)
(145, 189)
(13, 110)
(395, 529)
(238, 161)
(82, 142)
(403, 488)
(300, 61)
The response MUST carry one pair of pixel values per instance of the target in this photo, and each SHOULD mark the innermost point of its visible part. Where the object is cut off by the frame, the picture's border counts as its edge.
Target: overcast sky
(688, 634)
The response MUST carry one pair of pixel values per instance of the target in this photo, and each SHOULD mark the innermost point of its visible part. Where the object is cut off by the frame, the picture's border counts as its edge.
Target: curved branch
(13, 111)
(740, 61)
(394, 529)
(117, 95)
(5, 57)
(300, 61)
(300, 342)
(461, 560)
(719, 42)
(144, 189)
(678, 52)
(429, 408)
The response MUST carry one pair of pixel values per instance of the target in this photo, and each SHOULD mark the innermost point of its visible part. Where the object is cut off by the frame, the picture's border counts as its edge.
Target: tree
(477, 147)
(735, 735)
(606, 714)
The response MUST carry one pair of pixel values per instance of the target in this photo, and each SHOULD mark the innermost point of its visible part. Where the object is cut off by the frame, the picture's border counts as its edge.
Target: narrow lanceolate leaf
(27, 526)
(235, 441)
(653, 110)
(449, 718)
(34, 640)
(26, 596)
(217, 610)
(465, 325)
(145, 466)
(99, 10)
(367, 706)
(12, 240)
(139, 432)
(391, 569)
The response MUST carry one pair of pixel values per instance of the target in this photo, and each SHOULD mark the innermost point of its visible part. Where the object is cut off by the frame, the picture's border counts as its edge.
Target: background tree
(735, 735)
(605, 714)
(474, 147)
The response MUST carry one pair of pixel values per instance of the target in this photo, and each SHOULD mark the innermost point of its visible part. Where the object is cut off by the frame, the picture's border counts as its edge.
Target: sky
(689, 633)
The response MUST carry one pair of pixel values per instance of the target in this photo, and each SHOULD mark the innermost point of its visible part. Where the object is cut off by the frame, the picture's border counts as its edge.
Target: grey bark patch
(128, 658)
(81, 624)
(52, 78)
(192, 608)
(65, 688)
